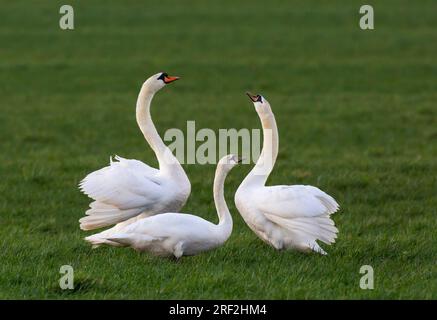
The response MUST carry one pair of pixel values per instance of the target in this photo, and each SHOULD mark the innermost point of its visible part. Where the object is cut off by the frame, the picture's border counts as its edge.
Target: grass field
(356, 112)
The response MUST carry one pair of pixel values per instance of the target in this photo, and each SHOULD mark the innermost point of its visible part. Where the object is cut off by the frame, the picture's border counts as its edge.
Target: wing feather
(121, 191)
(124, 184)
(303, 212)
(295, 201)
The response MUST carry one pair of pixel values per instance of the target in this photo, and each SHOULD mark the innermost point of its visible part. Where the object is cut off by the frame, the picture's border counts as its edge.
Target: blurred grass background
(356, 112)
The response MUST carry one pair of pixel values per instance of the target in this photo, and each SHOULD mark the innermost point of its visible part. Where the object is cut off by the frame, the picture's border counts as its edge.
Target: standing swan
(180, 234)
(127, 189)
(283, 216)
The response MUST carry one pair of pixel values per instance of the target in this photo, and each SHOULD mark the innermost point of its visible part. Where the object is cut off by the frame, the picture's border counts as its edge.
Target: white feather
(284, 216)
(176, 234)
(128, 189)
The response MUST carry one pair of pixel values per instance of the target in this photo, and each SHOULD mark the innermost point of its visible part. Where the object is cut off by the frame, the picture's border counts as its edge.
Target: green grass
(356, 112)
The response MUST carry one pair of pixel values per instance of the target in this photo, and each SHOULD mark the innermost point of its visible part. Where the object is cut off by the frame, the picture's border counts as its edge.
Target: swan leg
(316, 248)
(278, 244)
(275, 239)
(178, 250)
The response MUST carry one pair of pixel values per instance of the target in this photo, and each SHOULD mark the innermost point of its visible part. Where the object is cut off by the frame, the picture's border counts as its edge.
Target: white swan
(128, 190)
(179, 234)
(283, 216)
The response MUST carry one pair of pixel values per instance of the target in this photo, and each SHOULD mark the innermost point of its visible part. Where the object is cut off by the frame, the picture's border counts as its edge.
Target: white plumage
(284, 216)
(128, 189)
(177, 234)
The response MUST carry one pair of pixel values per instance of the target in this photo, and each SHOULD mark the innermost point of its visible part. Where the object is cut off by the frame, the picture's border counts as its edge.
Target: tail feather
(313, 228)
(121, 238)
(100, 205)
(97, 240)
(307, 230)
(324, 223)
(135, 240)
(329, 202)
(101, 215)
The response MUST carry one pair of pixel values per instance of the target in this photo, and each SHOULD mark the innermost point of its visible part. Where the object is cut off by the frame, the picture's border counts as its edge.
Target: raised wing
(302, 210)
(121, 190)
(295, 201)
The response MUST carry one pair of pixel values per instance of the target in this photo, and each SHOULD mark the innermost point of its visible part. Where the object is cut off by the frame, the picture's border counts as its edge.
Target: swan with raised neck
(129, 189)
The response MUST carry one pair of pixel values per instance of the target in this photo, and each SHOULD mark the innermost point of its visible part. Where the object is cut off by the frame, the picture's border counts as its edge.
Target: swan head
(229, 161)
(159, 81)
(262, 106)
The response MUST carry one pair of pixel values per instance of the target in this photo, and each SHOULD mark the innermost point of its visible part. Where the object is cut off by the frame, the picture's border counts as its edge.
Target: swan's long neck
(266, 161)
(145, 122)
(225, 219)
(167, 161)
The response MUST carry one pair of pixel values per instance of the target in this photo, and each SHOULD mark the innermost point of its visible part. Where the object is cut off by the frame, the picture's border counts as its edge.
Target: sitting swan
(283, 216)
(179, 234)
(128, 190)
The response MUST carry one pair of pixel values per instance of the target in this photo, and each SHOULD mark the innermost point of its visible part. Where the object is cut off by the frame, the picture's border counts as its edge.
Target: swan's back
(172, 224)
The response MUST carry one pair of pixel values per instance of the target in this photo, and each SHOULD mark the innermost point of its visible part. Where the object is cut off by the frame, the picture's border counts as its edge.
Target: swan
(178, 234)
(129, 189)
(286, 217)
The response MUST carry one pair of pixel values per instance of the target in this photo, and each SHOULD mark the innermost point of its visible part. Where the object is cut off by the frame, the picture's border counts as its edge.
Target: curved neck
(167, 161)
(266, 161)
(225, 219)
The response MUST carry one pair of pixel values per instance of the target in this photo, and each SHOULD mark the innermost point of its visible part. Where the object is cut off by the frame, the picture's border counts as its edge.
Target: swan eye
(163, 76)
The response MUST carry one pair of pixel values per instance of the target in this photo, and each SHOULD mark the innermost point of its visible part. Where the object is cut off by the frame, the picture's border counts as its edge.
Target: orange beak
(169, 79)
